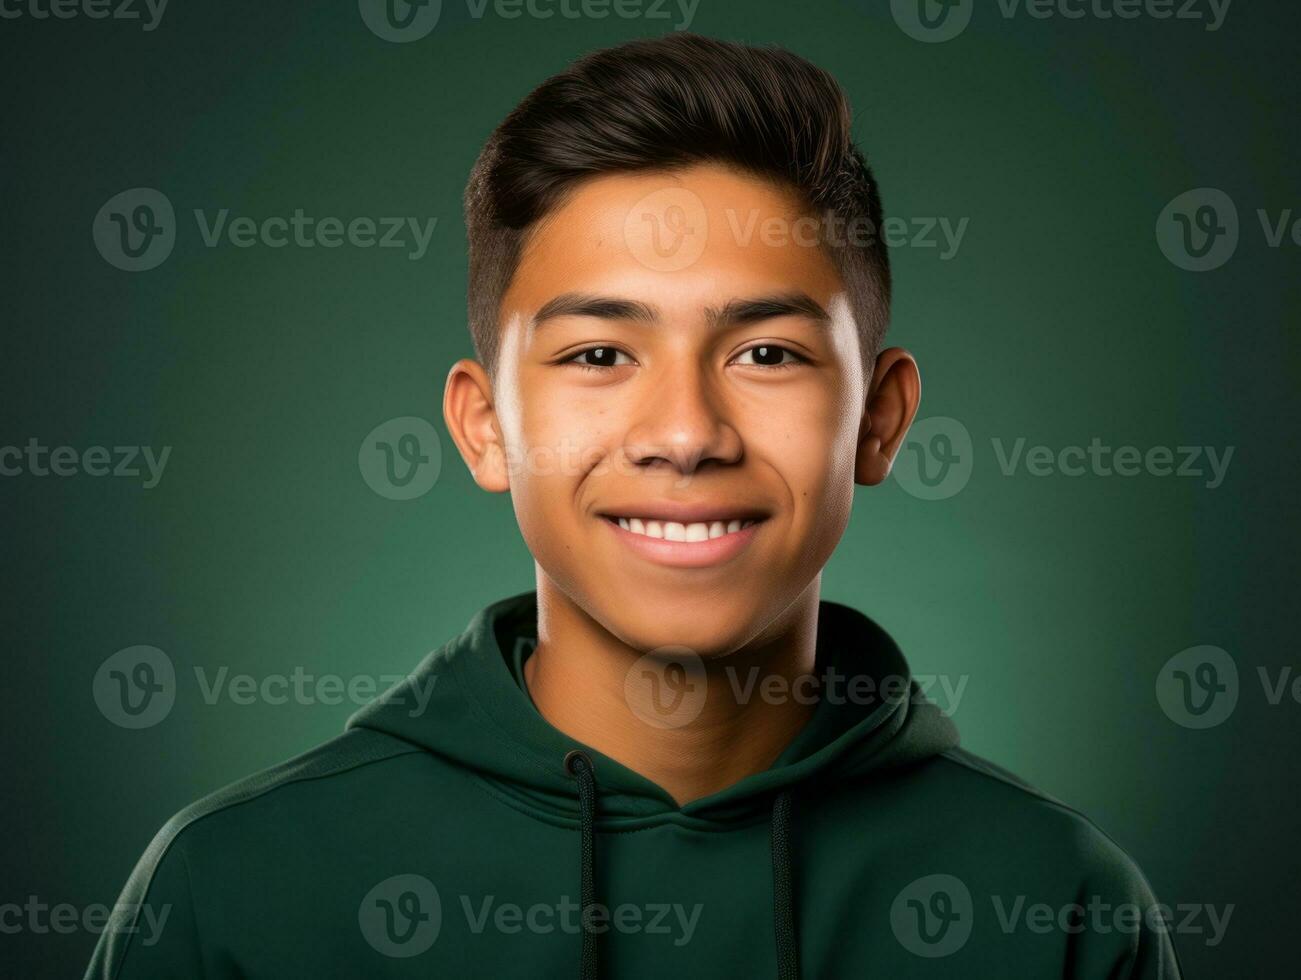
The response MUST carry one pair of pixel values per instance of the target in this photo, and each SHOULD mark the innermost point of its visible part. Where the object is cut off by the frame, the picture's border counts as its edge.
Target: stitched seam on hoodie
(238, 800)
(194, 910)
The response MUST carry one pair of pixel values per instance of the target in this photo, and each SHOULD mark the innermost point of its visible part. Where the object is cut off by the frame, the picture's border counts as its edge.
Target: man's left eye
(768, 355)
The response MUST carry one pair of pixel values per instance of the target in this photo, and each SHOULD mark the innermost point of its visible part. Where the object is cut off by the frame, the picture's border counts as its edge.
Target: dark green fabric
(446, 843)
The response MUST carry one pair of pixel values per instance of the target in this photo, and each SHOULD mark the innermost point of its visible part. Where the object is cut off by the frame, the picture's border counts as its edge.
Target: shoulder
(1030, 869)
(292, 795)
(253, 822)
(1009, 814)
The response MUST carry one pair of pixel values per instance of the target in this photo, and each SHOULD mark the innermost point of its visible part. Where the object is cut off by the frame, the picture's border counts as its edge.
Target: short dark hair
(666, 103)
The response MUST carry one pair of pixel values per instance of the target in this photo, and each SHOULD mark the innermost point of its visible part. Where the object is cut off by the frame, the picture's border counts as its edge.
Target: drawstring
(578, 765)
(783, 904)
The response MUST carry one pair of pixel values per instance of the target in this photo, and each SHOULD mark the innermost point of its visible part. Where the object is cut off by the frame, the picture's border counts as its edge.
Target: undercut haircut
(663, 104)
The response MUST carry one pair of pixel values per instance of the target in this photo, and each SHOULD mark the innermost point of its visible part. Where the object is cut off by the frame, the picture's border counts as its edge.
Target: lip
(686, 554)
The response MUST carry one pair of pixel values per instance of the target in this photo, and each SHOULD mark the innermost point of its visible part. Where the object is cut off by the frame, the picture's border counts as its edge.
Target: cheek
(812, 445)
(553, 446)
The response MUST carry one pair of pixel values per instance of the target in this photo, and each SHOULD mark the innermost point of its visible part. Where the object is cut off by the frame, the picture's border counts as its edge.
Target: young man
(672, 759)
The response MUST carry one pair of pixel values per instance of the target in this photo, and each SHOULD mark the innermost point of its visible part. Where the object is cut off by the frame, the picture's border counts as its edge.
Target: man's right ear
(471, 420)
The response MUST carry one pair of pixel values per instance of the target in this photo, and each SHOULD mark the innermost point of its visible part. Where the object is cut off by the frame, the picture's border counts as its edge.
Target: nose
(682, 423)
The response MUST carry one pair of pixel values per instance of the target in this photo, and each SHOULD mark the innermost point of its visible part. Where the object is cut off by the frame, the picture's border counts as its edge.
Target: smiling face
(678, 405)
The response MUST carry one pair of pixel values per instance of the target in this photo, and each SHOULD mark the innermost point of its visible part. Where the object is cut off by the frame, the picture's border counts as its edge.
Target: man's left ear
(892, 401)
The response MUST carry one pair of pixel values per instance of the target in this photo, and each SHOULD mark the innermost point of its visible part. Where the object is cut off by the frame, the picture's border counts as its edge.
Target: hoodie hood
(464, 704)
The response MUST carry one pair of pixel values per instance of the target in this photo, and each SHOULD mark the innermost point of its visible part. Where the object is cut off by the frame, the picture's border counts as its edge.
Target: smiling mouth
(695, 531)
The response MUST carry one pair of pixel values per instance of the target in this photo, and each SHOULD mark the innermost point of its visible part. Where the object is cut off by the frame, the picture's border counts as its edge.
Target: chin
(706, 622)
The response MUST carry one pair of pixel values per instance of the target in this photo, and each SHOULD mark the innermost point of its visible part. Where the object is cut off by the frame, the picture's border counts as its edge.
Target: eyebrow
(736, 312)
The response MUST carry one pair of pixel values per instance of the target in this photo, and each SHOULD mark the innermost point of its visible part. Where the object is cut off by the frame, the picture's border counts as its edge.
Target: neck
(576, 677)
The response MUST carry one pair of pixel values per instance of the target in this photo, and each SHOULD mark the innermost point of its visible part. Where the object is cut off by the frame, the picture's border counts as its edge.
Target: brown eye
(768, 355)
(600, 357)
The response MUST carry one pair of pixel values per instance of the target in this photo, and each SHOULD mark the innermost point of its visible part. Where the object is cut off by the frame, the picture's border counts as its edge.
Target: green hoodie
(451, 832)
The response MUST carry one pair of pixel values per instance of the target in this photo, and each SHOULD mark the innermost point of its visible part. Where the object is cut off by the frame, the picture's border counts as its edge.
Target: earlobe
(892, 401)
(471, 420)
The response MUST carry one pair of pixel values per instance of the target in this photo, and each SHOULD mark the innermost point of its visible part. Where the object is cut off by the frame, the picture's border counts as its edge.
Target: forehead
(685, 240)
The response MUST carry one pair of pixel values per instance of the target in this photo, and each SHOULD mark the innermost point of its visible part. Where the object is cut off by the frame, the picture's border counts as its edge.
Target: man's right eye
(599, 357)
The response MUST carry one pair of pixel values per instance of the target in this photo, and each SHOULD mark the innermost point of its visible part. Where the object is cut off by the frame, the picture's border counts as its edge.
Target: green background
(263, 550)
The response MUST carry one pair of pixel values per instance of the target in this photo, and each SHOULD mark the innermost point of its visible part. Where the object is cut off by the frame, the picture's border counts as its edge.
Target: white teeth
(677, 531)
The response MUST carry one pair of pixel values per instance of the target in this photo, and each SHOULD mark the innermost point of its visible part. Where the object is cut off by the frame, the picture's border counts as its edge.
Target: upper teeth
(673, 531)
